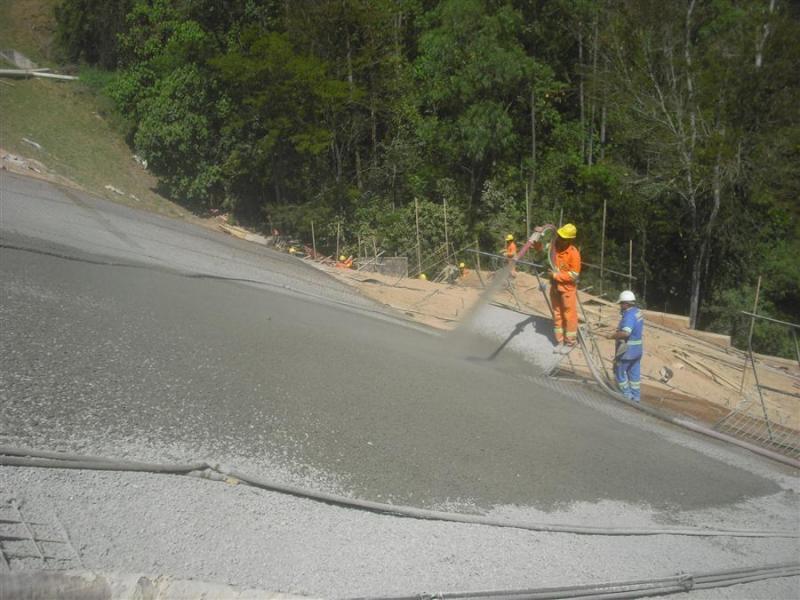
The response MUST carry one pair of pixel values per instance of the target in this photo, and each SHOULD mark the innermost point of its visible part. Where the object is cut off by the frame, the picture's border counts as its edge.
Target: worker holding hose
(628, 355)
(565, 261)
(511, 252)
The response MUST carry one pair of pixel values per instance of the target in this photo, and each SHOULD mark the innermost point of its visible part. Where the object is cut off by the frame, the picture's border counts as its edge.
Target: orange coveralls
(346, 264)
(564, 295)
(511, 252)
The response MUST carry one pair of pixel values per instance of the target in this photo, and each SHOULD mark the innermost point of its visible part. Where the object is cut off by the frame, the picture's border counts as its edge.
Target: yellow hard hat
(509, 238)
(292, 250)
(423, 276)
(342, 258)
(461, 265)
(568, 231)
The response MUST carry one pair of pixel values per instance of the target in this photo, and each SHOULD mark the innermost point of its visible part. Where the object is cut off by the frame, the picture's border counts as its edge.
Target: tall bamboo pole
(338, 231)
(446, 241)
(419, 251)
(603, 247)
(313, 240)
(527, 212)
(750, 335)
(530, 189)
(630, 264)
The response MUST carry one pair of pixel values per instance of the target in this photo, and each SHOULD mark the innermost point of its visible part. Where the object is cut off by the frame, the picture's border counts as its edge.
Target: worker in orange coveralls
(564, 287)
(345, 262)
(511, 252)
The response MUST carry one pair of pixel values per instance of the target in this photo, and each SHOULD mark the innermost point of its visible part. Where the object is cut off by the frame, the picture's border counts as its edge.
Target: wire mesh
(33, 540)
(762, 423)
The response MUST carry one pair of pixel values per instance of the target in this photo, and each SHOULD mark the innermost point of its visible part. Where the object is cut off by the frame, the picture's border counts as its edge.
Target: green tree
(473, 75)
(87, 30)
(275, 131)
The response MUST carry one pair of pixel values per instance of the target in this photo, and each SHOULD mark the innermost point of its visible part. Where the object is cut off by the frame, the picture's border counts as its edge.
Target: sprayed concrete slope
(142, 359)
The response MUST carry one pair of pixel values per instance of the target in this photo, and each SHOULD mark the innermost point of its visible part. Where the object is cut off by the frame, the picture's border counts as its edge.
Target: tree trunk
(351, 84)
(694, 290)
(590, 154)
(764, 35)
(644, 266)
(374, 122)
(603, 116)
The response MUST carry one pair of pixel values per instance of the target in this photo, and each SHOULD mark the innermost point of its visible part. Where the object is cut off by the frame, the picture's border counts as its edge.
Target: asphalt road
(109, 336)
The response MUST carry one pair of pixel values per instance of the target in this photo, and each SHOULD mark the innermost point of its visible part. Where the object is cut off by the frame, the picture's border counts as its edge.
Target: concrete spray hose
(538, 237)
(26, 457)
(641, 588)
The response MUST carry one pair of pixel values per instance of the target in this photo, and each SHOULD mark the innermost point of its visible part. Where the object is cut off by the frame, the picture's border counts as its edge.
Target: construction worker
(462, 268)
(564, 287)
(345, 262)
(628, 355)
(511, 252)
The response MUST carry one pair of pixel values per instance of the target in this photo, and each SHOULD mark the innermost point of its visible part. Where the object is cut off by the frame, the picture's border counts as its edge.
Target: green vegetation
(679, 118)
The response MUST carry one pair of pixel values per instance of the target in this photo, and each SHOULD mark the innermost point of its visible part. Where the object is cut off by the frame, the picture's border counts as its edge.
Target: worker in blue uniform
(628, 355)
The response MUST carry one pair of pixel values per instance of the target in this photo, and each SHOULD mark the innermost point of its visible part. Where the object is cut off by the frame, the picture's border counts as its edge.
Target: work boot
(559, 348)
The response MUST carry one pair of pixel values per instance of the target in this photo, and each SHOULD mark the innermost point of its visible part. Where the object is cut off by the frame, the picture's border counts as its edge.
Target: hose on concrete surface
(26, 457)
(696, 427)
(642, 588)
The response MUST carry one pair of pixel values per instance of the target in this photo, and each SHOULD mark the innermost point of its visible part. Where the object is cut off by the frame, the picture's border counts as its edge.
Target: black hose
(45, 459)
(620, 590)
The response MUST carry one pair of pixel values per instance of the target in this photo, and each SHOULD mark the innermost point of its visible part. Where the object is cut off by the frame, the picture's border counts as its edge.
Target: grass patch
(29, 26)
(77, 141)
(74, 123)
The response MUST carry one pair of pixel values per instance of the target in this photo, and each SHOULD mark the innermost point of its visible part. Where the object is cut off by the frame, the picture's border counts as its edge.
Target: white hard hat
(626, 296)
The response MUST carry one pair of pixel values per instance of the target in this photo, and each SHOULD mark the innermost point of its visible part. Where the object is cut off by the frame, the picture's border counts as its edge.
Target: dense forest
(678, 121)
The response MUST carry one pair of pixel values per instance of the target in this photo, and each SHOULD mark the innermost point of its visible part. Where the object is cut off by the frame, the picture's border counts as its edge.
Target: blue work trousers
(629, 378)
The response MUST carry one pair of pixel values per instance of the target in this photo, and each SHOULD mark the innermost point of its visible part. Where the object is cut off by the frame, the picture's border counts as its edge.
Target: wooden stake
(446, 241)
(338, 231)
(750, 335)
(527, 212)
(313, 240)
(630, 264)
(419, 249)
(603, 246)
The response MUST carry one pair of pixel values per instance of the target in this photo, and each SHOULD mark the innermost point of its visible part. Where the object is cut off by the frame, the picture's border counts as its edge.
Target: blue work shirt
(632, 322)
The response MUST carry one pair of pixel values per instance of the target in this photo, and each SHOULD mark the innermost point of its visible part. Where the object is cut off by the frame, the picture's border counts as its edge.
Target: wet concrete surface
(110, 353)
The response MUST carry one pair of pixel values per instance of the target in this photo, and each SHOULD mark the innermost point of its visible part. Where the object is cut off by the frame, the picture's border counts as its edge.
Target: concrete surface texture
(124, 334)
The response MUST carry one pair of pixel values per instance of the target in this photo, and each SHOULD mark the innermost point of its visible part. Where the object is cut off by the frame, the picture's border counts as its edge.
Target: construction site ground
(709, 376)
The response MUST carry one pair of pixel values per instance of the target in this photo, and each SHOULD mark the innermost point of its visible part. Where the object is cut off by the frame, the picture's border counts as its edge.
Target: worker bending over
(628, 355)
(564, 287)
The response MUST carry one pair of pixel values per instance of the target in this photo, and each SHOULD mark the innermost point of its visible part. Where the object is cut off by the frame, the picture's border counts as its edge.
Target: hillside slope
(64, 125)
